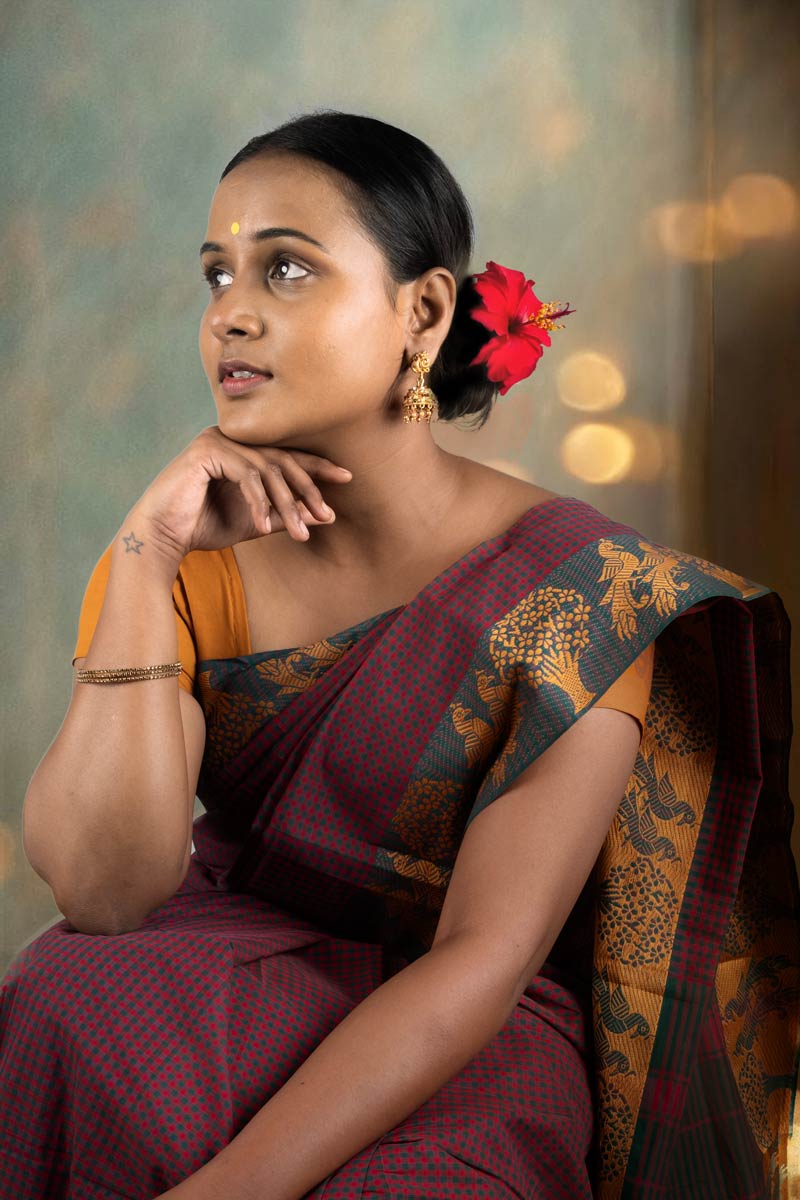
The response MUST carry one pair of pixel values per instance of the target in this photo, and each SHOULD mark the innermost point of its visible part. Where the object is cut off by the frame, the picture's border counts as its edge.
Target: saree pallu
(655, 1054)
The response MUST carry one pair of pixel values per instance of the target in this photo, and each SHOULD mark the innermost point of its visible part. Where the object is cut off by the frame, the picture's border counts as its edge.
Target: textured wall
(583, 135)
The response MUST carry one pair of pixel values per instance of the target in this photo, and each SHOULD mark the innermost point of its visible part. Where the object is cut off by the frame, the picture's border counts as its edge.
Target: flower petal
(509, 359)
(501, 289)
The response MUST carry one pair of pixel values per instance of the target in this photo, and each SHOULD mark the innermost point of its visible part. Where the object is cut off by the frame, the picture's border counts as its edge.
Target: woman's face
(317, 317)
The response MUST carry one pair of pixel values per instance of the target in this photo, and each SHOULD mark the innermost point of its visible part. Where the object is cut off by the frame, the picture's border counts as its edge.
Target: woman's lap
(515, 1122)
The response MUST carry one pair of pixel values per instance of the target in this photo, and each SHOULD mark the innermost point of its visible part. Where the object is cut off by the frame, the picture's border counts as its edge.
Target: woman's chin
(252, 430)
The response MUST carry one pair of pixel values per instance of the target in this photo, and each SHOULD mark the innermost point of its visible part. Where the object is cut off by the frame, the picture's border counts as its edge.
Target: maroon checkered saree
(653, 1056)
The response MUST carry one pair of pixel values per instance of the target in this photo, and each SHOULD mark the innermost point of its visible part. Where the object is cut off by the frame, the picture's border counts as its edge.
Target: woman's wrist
(140, 539)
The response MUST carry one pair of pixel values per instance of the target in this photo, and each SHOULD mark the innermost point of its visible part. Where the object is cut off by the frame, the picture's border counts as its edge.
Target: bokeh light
(656, 449)
(759, 205)
(590, 381)
(596, 452)
(691, 232)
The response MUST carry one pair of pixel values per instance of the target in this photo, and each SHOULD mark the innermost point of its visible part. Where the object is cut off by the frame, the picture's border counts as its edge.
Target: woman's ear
(432, 305)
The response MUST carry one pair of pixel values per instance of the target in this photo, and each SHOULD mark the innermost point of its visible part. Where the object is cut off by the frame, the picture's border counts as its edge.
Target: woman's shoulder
(483, 477)
(506, 496)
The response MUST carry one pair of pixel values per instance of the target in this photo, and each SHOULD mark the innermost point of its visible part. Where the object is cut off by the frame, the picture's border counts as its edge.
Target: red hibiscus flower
(519, 320)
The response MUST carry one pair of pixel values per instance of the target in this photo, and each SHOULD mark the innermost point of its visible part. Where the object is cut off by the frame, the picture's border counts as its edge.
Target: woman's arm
(107, 815)
(520, 868)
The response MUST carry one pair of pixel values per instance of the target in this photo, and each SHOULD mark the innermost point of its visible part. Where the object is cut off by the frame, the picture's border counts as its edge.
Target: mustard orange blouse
(211, 619)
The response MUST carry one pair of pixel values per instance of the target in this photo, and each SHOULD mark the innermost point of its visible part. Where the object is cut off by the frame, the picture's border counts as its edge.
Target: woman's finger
(273, 479)
(250, 480)
(281, 497)
(312, 464)
(304, 487)
(290, 487)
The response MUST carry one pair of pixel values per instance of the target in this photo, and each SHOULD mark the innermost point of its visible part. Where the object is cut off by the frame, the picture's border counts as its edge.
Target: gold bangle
(127, 674)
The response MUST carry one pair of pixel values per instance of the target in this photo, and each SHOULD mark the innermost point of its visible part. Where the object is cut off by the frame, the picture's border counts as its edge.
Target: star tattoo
(131, 543)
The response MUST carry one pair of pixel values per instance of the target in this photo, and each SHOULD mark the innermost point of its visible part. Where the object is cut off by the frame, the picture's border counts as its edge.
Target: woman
(493, 893)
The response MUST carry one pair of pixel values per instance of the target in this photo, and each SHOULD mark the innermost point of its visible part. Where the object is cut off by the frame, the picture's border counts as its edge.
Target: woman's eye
(210, 273)
(289, 263)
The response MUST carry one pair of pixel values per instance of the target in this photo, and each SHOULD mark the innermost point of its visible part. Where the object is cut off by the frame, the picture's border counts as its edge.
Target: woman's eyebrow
(261, 235)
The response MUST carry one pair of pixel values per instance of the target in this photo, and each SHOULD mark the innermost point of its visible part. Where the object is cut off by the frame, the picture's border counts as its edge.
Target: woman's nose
(235, 314)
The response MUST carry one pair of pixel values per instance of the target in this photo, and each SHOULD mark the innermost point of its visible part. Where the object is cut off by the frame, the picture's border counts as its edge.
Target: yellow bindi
(235, 227)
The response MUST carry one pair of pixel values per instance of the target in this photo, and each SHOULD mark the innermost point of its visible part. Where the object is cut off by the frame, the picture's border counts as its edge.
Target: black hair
(413, 209)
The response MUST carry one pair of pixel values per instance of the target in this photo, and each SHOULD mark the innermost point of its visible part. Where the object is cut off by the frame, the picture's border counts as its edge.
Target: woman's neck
(399, 496)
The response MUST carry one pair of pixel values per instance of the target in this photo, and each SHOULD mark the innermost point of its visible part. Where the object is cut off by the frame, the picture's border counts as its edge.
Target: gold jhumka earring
(419, 400)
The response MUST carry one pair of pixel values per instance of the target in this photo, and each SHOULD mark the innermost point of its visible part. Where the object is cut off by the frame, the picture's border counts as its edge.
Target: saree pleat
(654, 1055)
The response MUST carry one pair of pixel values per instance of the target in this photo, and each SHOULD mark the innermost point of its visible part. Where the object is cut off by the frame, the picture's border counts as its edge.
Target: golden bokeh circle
(590, 382)
(597, 452)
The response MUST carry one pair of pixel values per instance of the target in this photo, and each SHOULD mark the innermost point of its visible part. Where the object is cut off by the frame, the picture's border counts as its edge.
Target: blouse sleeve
(630, 692)
(93, 602)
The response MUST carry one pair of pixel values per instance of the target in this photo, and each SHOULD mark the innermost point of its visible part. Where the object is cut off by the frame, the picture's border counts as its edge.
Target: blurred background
(638, 160)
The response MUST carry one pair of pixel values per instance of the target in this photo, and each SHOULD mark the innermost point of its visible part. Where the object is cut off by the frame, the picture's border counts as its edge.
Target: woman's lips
(234, 387)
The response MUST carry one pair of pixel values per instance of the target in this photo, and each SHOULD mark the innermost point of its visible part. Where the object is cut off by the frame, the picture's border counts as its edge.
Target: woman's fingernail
(326, 508)
(304, 527)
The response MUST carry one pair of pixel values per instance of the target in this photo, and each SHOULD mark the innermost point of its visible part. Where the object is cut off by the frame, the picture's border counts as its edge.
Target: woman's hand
(218, 492)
